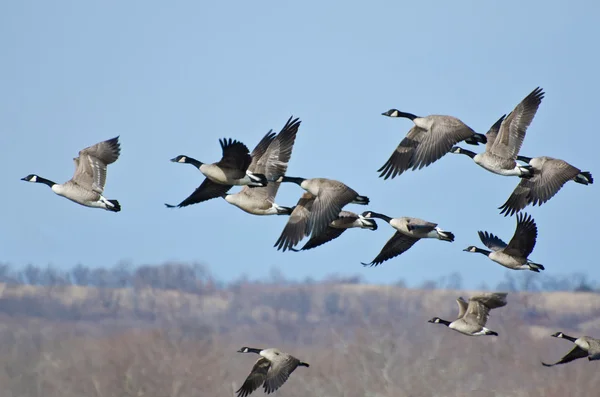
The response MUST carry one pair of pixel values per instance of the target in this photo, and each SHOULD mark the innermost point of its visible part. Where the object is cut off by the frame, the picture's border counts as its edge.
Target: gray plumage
(585, 346)
(473, 315)
(87, 184)
(513, 255)
(505, 141)
(549, 176)
(271, 370)
(429, 140)
(408, 232)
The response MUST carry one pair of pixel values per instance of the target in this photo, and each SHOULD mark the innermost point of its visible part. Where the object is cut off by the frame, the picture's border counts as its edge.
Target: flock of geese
(319, 212)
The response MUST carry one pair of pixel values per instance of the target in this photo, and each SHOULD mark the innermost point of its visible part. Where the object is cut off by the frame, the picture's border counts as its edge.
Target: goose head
(391, 113)
(31, 178)
(471, 248)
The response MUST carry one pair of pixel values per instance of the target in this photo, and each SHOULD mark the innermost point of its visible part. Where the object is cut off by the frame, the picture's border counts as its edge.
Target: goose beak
(24, 179)
(466, 249)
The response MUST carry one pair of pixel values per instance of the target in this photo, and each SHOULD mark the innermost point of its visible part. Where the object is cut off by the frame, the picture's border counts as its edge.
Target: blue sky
(173, 77)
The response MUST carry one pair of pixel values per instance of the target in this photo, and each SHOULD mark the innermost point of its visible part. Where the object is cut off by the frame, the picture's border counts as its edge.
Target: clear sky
(173, 77)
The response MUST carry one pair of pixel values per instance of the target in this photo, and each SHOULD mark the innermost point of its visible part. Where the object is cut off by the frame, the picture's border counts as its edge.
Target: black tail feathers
(285, 210)
(585, 178)
(362, 200)
(116, 206)
(476, 139)
(302, 364)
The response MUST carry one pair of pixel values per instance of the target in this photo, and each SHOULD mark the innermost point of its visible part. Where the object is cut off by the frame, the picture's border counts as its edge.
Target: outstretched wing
(523, 240)
(206, 191)
(395, 246)
(402, 158)
(574, 354)
(296, 227)
(256, 378)
(491, 241)
(279, 373)
(236, 156)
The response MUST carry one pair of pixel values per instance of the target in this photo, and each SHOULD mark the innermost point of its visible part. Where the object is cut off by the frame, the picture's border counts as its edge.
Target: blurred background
(155, 301)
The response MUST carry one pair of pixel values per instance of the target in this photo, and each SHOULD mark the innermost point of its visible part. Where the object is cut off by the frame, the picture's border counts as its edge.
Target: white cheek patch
(33, 179)
(182, 160)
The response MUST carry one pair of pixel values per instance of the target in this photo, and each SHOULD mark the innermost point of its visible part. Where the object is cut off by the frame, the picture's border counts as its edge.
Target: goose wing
(333, 195)
(493, 133)
(462, 307)
(90, 166)
(296, 227)
(395, 246)
(259, 151)
(420, 225)
(236, 157)
(545, 183)
(256, 378)
(574, 354)
(206, 191)
(478, 309)
(330, 233)
(444, 133)
(523, 240)
(402, 158)
(280, 371)
(491, 241)
(512, 130)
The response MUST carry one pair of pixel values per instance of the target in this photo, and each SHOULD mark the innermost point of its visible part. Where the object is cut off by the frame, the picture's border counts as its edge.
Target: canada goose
(221, 176)
(271, 370)
(504, 141)
(408, 232)
(428, 141)
(514, 255)
(321, 207)
(345, 220)
(473, 316)
(585, 346)
(549, 176)
(270, 157)
(87, 185)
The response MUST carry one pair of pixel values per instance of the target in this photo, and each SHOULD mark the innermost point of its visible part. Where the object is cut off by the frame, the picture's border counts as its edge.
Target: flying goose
(549, 176)
(87, 185)
(585, 346)
(271, 370)
(514, 255)
(315, 211)
(345, 220)
(428, 141)
(408, 232)
(270, 157)
(504, 141)
(221, 176)
(473, 316)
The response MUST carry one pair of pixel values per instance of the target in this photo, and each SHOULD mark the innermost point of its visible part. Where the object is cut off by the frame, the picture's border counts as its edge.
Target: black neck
(292, 179)
(253, 350)
(446, 323)
(380, 216)
(45, 181)
(193, 161)
(524, 159)
(406, 115)
(482, 251)
(567, 337)
(467, 152)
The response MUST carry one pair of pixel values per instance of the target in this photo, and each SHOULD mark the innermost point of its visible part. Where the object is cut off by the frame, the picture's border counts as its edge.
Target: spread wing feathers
(236, 156)
(574, 354)
(260, 150)
(330, 233)
(513, 128)
(90, 166)
(402, 158)
(296, 227)
(523, 240)
(395, 246)
(256, 378)
(479, 306)
(439, 140)
(419, 225)
(279, 373)
(493, 133)
(491, 241)
(544, 184)
(275, 160)
(328, 204)
(206, 191)
(462, 307)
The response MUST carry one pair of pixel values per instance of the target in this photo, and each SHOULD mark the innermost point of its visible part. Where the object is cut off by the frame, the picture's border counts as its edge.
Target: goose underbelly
(507, 260)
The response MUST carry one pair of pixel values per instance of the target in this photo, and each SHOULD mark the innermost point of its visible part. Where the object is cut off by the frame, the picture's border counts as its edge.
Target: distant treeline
(196, 278)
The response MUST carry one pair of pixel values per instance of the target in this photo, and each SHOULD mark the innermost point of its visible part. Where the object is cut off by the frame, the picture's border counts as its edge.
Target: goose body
(513, 255)
(473, 315)
(270, 158)
(408, 232)
(429, 140)
(585, 346)
(318, 207)
(549, 176)
(505, 138)
(231, 170)
(87, 184)
(271, 370)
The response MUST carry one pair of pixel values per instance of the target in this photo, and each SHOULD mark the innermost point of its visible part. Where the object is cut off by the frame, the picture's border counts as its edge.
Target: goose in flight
(585, 346)
(87, 185)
